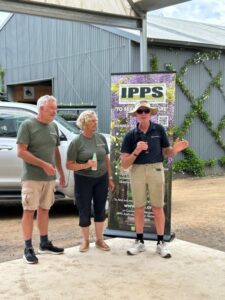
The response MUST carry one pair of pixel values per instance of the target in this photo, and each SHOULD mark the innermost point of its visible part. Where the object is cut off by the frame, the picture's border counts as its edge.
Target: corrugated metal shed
(79, 58)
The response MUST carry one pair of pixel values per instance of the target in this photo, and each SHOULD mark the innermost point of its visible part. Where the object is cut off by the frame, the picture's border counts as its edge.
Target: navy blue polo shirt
(156, 138)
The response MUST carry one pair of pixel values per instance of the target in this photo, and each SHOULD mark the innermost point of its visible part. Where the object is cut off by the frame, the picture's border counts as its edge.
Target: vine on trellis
(191, 164)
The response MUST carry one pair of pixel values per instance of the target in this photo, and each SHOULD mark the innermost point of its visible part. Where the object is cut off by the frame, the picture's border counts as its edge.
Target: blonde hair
(84, 118)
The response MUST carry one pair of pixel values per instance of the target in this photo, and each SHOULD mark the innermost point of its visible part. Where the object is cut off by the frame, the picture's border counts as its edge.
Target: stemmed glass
(144, 139)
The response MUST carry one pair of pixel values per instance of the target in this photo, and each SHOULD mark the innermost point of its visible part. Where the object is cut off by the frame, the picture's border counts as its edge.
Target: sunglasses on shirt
(141, 111)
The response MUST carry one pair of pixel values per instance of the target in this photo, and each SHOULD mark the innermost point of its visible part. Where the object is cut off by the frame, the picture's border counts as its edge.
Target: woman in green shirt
(88, 157)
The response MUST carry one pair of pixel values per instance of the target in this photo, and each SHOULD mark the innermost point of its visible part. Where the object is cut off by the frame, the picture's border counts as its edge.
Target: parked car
(11, 116)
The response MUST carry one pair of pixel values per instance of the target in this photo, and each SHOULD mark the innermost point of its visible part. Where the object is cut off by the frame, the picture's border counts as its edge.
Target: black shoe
(49, 248)
(29, 256)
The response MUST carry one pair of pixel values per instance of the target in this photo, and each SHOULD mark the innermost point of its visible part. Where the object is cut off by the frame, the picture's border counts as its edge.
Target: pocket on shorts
(53, 195)
(27, 196)
(159, 174)
(50, 195)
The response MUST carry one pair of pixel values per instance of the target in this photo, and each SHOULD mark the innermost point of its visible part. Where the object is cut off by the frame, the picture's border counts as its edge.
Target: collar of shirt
(151, 127)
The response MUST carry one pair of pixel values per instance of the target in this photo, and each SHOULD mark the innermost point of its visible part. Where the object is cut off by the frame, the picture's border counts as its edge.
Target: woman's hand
(111, 185)
(92, 163)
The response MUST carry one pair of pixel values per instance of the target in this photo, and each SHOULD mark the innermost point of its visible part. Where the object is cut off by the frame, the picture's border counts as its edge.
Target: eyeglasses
(141, 111)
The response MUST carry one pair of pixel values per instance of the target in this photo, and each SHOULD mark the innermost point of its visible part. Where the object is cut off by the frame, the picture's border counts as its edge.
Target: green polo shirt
(81, 149)
(41, 139)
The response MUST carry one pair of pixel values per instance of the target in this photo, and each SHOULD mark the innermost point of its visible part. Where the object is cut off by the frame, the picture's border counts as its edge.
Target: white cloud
(3, 16)
(210, 11)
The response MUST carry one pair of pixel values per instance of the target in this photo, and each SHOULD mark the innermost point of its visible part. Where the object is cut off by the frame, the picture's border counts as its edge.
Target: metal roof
(120, 13)
(185, 32)
(178, 32)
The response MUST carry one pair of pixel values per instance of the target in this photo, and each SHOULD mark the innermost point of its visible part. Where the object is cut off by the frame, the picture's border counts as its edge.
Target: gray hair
(42, 101)
(84, 117)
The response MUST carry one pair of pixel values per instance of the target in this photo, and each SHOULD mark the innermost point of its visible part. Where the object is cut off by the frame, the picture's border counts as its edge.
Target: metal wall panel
(80, 58)
(11, 44)
(197, 79)
(23, 40)
(135, 57)
(3, 48)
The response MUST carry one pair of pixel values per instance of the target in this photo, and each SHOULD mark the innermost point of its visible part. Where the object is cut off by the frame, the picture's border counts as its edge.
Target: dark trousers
(86, 190)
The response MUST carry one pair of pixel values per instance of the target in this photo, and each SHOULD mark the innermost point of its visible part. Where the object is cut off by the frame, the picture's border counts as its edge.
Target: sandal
(84, 247)
(100, 244)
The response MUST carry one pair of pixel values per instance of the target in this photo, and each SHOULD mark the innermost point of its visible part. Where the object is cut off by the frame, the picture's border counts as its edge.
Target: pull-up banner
(128, 89)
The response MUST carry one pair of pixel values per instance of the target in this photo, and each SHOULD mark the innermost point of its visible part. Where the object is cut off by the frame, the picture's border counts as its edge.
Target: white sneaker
(162, 250)
(136, 248)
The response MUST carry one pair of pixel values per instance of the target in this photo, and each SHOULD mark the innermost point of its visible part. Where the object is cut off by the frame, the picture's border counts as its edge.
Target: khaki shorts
(151, 178)
(37, 194)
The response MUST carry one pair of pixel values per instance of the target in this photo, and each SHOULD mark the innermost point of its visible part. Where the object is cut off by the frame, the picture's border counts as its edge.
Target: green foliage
(210, 163)
(221, 161)
(154, 63)
(191, 164)
(221, 124)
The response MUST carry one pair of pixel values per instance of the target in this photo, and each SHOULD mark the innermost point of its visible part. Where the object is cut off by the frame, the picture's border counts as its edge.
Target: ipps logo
(130, 93)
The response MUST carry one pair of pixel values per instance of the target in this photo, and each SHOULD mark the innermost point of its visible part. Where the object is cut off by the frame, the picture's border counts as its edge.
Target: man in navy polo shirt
(143, 150)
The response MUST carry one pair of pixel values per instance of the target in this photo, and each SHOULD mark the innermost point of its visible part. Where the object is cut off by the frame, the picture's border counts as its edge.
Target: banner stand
(158, 89)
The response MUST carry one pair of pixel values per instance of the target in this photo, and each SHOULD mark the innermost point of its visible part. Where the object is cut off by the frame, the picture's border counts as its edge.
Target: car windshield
(67, 125)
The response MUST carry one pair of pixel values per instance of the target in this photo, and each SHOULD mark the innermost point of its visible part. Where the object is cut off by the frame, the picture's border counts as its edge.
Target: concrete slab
(193, 273)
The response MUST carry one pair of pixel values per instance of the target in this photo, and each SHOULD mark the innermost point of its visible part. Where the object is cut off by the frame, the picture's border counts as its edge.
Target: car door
(10, 164)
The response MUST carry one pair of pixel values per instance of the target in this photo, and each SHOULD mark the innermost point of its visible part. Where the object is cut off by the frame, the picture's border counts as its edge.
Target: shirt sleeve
(58, 137)
(23, 135)
(164, 141)
(105, 142)
(127, 144)
(72, 151)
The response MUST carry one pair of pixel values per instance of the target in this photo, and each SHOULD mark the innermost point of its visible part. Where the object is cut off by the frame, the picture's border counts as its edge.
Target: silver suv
(11, 116)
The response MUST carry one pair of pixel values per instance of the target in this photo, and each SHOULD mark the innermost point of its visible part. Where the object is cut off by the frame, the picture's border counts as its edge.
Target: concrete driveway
(193, 273)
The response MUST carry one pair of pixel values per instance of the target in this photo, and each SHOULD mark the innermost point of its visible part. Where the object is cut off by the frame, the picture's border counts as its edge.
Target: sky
(2, 17)
(206, 11)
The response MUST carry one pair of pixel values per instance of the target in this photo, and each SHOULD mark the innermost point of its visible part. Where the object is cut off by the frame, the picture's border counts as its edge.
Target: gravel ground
(198, 209)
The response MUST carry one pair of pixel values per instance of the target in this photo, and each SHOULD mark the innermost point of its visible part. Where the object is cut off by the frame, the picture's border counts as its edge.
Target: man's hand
(62, 180)
(48, 169)
(180, 145)
(141, 146)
